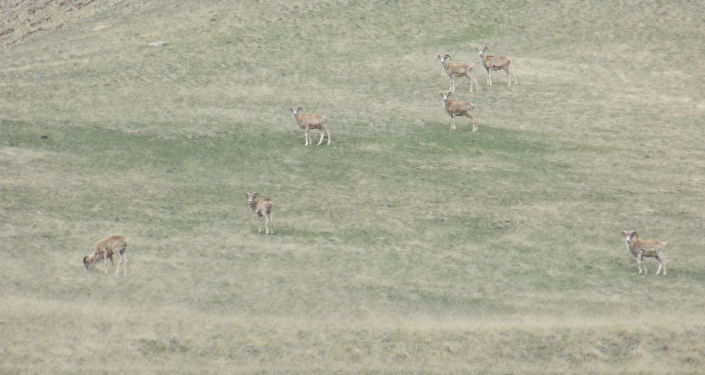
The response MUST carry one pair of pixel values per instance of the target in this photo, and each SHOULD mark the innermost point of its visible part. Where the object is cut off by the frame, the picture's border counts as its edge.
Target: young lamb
(263, 209)
(105, 249)
(645, 248)
(312, 121)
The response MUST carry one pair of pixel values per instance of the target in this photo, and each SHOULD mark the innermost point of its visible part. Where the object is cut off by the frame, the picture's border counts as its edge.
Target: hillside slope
(403, 247)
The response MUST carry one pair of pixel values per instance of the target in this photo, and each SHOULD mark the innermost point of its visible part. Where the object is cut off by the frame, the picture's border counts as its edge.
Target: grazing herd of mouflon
(116, 245)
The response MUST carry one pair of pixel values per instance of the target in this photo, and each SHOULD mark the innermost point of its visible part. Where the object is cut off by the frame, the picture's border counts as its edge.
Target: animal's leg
(452, 121)
(638, 263)
(510, 76)
(259, 224)
(474, 122)
(112, 264)
(641, 263)
(328, 136)
(320, 140)
(472, 80)
(661, 265)
(119, 260)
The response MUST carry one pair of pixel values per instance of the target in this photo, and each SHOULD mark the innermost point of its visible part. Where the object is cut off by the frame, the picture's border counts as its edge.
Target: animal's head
(445, 96)
(629, 236)
(296, 111)
(481, 49)
(251, 197)
(89, 262)
(444, 58)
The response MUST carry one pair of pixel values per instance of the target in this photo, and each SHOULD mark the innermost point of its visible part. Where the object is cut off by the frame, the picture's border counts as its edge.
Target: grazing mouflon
(105, 249)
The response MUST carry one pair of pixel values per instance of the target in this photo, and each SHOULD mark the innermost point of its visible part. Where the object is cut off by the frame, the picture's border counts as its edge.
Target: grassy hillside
(403, 247)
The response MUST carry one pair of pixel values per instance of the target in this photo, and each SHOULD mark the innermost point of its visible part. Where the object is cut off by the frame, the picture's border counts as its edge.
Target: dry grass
(172, 339)
(402, 247)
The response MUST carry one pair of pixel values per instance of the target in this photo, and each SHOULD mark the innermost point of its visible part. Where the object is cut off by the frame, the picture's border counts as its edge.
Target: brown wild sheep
(105, 249)
(491, 62)
(458, 108)
(645, 248)
(263, 209)
(457, 70)
(311, 121)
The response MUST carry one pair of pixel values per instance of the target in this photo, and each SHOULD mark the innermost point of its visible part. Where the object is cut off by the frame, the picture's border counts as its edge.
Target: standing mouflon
(645, 248)
(263, 209)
